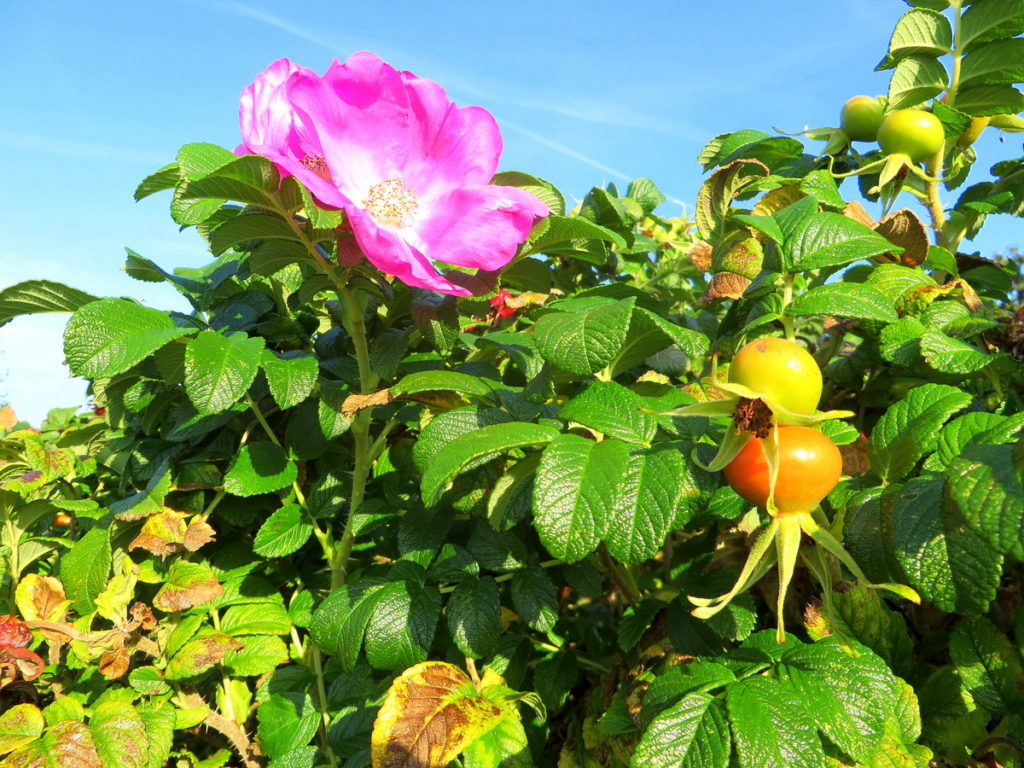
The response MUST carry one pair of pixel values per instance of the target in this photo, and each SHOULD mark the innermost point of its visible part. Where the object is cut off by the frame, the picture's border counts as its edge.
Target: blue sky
(97, 95)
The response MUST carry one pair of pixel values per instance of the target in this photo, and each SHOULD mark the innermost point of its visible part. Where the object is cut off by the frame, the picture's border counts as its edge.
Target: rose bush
(365, 506)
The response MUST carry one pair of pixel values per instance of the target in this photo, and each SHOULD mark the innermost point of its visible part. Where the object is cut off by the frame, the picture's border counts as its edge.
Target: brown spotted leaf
(114, 663)
(188, 585)
(718, 191)
(69, 744)
(725, 285)
(744, 259)
(41, 598)
(431, 713)
(700, 255)
(120, 735)
(855, 457)
(162, 534)
(198, 534)
(200, 653)
(20, 725)
(904, 229)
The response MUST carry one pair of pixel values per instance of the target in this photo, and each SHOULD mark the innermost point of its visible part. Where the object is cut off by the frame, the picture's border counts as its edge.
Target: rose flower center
(391, 203)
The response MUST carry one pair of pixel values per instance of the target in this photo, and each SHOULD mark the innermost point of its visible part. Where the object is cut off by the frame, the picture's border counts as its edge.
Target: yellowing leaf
(20, 725)
(162, 534)
(41, 598)
(431, 713)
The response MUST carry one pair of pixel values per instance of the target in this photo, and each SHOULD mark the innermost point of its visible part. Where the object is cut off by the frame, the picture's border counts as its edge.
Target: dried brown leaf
(355, 403)
(725, 285)
(904, 229)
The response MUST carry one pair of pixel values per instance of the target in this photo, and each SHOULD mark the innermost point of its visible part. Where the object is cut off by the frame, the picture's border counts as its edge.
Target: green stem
(622, 577)
(325, 715)
(787, 298)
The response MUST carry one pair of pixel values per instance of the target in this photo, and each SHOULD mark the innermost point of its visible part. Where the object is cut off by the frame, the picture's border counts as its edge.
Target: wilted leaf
(41, 598)
(200, 653)
(198, 534)
(19, 726)
(725, 285)
(188, 585)
(904, 229)
(355, 403)
(432, 712)
(162, 534)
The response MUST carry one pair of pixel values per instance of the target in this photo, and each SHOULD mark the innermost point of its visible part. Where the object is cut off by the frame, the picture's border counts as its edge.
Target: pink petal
(390, 252)
(477, 226)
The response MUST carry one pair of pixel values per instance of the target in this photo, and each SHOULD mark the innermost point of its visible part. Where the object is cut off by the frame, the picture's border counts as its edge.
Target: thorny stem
(325, 715)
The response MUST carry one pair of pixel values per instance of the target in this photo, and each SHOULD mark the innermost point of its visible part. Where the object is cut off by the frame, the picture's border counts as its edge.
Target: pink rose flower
(409, 168)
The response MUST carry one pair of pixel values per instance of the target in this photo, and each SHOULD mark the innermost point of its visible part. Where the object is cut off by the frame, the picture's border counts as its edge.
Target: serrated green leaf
(920, 31)
(534, 598)
(339, 622)
(543, 190)
(32, 296)
(770, 726)
(988, 664)
(909, 429)
(490, 441)
(402, 625)
(253, 226)
(109, 336)
(286, 722)
(988, 20)
(556, 233)
(256, 619)
(845, 300)
(260, 656)
(986, 488)
(827, 240)
(574, 493)
(474, 616)
(612, 409)
(644, 509)
(948, 355)
(987, 100)
(219, 369)
(1000, 62)
(584, 342)
(692, 733)
(291, 375)
(915, 80)
(718, 191)
(445, 381)
(283, 533)
(84, 569)
(948, 564)
(201, 159)
(259, 468)
(166, 178)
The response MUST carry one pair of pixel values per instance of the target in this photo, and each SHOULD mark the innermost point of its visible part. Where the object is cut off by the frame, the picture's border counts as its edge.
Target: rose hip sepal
(15, 658)
(409, 168)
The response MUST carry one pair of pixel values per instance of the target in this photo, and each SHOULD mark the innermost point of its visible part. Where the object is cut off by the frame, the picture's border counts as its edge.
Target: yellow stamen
(392, 203)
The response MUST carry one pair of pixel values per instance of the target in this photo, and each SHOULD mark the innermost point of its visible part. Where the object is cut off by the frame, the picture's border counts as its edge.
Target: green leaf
(202, 652)
(474, 616)
(291, 375)
(445, 381)
(989, 665)
(997, 63)
(585, 341)
(120, 735)
(948, 355)
(256, 619)
(986, 488)
(201, 159)
(920, 32)
(402, 625)
(20, 725)
(692, 733)
(556, 233)
(252, 226)
(574, 493)
(534, 598)
(694, 343)
(84, 569)
(452, 424)
(946, 562)
(287, 721)
(488, 441)
(543, 190)
(219, 369)
(260, 656)
(916, 79)
(644, 510)
(901, 342)
(109, 336)
(991, 20)
(894, 280)
(249, 179)
(149, 681)
(845, 300)
(283, 533)
(770, 725)
(985, 100)
(718, 191)
(159, 721)
(828, 240)
(909, 429)
(554, 676)
(259, 468)
(611, 409)
(32, 296)
(339, 622)
(845, 695)
(166, 178)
